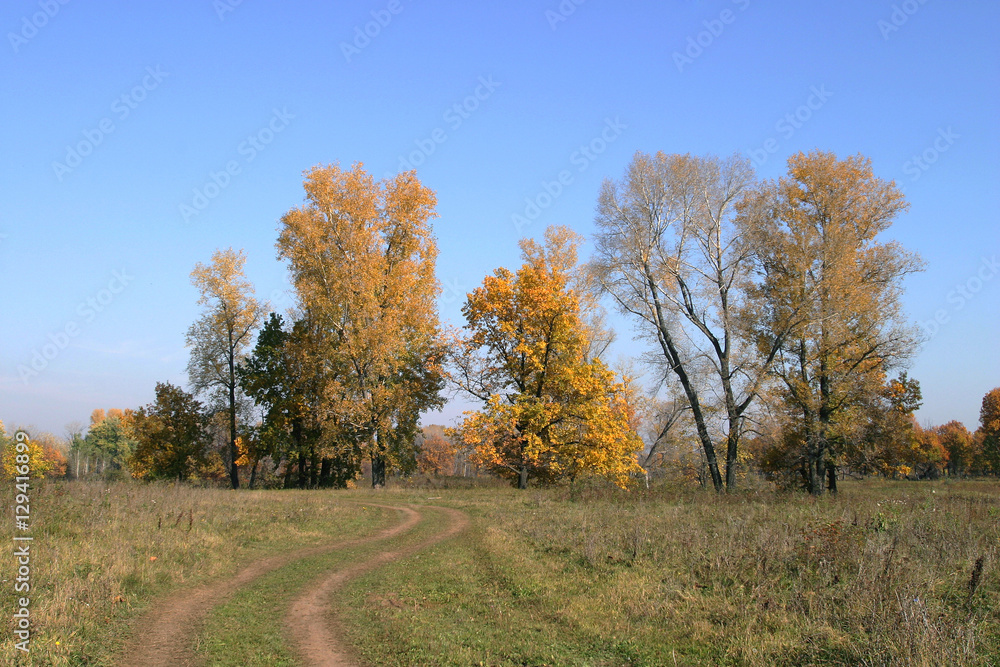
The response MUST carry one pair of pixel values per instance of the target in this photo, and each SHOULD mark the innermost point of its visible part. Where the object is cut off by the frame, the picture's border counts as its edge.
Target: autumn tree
(77, 445)
(989, 430)
(436, 456)
(671, 437)
(171, 434)
(220, 337)
(875, 435)
(286, 381)
(928, 457)
(818, 248)
(361, 255)
(41, 453)
(670, 256)
(109, 438)
(550, 409)
(960, 445)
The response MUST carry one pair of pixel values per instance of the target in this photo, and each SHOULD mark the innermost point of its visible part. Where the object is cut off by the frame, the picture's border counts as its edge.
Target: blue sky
(115, 116)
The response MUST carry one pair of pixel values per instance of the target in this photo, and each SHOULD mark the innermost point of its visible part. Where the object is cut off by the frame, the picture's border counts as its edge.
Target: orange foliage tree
(960, 445)
(551, 409)
(821, 253)
(436, 456)
(989, 430)
(40, 454)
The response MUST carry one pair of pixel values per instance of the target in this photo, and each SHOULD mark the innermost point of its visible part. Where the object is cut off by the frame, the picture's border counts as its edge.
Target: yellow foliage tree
(361, 255)
(989, 430)
(821, 253)
(41, 458)
(550, 408)
(220, 337)
(436, 456)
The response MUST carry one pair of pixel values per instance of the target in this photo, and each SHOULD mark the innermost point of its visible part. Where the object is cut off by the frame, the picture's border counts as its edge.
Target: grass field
(883, 574)
(879, 575)
(103, 553)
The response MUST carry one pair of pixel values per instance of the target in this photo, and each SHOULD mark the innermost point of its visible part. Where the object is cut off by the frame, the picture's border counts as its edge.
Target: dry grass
(884, 574)
(101, 553)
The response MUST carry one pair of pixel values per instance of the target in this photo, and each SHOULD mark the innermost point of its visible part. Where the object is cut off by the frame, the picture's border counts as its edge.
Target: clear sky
(136, 138)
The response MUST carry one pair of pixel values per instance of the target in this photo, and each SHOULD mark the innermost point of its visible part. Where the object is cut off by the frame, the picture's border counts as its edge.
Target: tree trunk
(522, 478)
(733, 413)
(303, 469)
(831, 477)
(325, 479)
(732, 461)
(378, 471)
(289, 468)
(673, 355)
(234, 454)
(253, 473)
(817, 475)
(313, 467)
(815, 461)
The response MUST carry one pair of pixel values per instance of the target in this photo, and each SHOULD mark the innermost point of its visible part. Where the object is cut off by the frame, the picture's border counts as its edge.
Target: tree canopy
(361, 256)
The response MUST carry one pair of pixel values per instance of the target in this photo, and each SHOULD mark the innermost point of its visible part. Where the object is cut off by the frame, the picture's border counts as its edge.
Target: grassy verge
(102, 553)
(883, 574)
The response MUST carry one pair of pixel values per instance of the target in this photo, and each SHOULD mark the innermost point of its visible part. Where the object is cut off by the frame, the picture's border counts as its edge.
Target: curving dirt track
(315, 636)
(164, 636)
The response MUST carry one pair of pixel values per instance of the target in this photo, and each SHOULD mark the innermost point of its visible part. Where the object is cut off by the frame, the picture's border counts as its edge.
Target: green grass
(876, 576)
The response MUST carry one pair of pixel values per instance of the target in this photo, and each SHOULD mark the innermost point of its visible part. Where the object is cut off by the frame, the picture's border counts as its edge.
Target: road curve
(164, 637)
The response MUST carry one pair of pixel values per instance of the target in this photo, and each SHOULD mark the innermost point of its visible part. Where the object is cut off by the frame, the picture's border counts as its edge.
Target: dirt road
(165, 635)
(315, 635)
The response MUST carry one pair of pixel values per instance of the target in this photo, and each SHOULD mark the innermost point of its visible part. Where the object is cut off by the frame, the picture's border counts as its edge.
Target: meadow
(884, 573)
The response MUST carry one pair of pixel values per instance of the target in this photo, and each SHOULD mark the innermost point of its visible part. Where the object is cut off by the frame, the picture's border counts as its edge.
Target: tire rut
(164, 636)
(317, 638)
